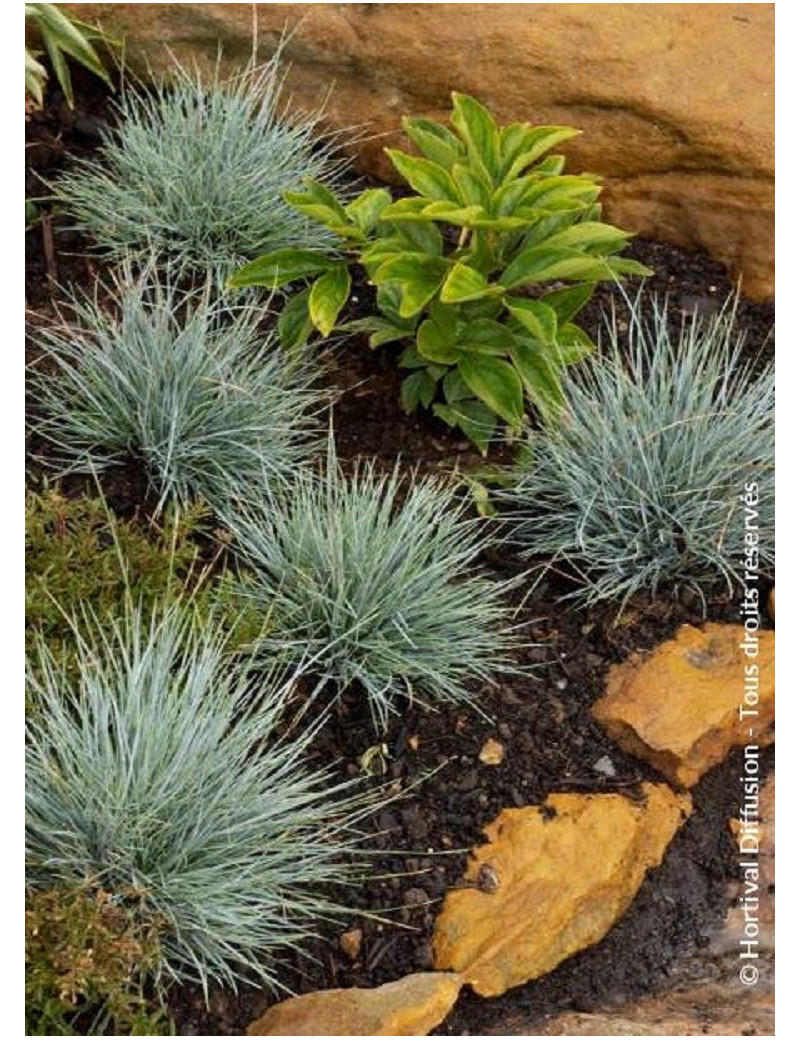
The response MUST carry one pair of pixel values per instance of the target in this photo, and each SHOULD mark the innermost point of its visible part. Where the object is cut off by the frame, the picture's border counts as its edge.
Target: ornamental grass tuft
(197, 395)
(165, 777)
(379, 578)
(641, 490)
(195, 173)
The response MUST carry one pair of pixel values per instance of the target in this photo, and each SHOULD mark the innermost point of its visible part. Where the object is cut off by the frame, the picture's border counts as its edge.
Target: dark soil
(551, 744)
(420, 840)
(54, 253)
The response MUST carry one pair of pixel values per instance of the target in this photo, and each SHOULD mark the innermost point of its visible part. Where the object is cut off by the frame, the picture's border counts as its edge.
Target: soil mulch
(420, 840)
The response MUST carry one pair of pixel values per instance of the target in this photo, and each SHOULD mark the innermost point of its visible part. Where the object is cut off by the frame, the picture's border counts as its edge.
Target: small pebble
(604, 766)
(492, 753)
(350, 943)
(690, 304)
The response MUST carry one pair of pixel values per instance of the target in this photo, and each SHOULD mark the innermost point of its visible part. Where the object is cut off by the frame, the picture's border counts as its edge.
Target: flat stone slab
(551, 881)
(412, 1006)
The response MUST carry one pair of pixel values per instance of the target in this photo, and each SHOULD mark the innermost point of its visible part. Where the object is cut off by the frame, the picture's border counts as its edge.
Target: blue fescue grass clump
(639, 489)
(165, 777)
(195, 173)
(380, 581)
(200, 396)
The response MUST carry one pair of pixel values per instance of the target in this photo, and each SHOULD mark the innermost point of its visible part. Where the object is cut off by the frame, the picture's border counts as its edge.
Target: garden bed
(551, 742)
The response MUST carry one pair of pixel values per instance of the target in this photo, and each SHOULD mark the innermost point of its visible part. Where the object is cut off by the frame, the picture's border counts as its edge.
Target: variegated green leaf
(294, 323)
(328, 295)
(367, 208)
(464, 283)
(435, 345)
(435, 141)
(540, 373)
(425, 177)
(419, 388)
(274, 270)
(567, 302)
(478, 130)
(538, 319)
(496, 383)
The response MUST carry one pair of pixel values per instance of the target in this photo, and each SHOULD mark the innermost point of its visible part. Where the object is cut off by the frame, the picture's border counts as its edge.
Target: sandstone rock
(726, 940)
(676, 101)
(350, 943)
(712, 1009)
(492, 753)
(413, 1006)
(678, 707)
(563, 875)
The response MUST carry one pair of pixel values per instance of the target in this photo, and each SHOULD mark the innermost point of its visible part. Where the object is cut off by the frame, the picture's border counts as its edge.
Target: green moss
(86, 954)
(81, 559)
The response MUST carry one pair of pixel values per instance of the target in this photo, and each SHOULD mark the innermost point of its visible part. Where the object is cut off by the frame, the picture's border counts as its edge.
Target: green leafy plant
(201, 397)
(62, 37)
(380, 581)
(86, 957)
(194, 172)
(172, 779)
(667, 439)
(460, 266)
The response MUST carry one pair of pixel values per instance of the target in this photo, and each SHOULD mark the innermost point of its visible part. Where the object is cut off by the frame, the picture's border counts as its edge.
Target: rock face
(413, 1006)
(676, 101)
(716, 1009)
(551, 881)
(748, 904)
(679, 706)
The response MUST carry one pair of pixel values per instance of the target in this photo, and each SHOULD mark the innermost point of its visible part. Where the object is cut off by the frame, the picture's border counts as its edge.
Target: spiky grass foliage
(640, 488)
(196, 173)
(163, 778)
(380, 580)
(199, 396)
